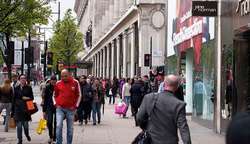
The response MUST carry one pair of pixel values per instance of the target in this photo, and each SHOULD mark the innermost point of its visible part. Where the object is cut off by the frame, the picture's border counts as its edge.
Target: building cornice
(110, 32)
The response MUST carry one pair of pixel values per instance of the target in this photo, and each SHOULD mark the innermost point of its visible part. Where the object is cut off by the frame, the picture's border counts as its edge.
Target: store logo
(243, 7)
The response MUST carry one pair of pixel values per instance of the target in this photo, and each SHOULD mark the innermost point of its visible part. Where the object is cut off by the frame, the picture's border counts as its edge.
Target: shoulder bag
(144, 137)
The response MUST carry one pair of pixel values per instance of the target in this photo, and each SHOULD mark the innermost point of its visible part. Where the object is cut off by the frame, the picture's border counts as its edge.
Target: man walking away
(49, 110)
(167, 114)
(67, 98)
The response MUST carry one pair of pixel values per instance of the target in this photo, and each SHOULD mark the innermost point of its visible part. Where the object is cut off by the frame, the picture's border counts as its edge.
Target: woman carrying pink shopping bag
(126, 96)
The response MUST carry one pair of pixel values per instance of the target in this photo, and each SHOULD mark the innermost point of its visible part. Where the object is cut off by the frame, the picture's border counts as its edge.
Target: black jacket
(137, 92)
(87, 92)
(48, 98)
(19, 105)
(179, 93)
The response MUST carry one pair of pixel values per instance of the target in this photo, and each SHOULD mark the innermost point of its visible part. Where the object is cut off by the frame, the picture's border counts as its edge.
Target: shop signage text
(187, 33)
(204, 8)
(243, 7)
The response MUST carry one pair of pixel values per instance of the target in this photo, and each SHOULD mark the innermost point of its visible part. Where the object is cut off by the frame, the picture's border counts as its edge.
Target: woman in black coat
(22, 93)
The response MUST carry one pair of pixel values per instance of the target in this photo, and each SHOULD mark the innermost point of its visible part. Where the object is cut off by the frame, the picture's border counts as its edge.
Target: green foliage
(1, 60)
(67, 41)
(172, 64)
(18, 16)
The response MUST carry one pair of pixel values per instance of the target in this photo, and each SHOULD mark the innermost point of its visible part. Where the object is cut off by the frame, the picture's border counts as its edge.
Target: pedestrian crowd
(158, 109)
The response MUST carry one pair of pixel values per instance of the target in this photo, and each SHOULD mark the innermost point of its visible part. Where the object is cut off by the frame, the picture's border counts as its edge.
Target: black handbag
(144, 137)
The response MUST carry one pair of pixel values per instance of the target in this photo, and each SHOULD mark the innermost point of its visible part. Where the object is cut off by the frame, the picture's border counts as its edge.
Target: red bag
(31, 107)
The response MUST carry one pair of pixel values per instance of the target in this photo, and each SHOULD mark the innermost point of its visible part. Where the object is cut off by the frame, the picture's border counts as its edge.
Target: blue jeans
(7, 107)
(20, 126)
(96, 109)
(127, 100)
(69, 115)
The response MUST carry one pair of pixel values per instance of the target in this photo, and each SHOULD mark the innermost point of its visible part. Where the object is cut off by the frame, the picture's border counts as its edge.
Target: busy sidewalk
(112, 130)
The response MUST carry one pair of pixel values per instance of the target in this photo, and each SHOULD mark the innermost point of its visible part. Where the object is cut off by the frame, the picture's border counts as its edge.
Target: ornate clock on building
(158, 19)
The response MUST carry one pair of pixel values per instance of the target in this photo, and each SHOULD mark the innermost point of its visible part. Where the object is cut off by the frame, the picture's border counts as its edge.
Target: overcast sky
(65, 4)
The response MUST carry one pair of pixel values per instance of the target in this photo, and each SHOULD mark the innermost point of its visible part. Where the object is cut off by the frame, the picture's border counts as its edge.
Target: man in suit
(168, 114)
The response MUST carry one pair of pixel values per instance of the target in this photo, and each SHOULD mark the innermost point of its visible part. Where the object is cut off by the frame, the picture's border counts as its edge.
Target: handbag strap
(155, 98)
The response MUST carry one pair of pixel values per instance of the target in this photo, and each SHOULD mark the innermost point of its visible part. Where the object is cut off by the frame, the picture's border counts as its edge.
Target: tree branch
(10, 11)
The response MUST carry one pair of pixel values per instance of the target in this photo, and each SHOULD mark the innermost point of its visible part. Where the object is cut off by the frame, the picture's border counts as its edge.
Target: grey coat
(167, 116)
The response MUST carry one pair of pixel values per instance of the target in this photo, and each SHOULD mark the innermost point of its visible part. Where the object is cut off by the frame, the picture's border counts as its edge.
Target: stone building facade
(123, 38)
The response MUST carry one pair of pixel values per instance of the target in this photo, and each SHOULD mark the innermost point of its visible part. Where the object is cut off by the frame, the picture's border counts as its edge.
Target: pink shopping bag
(121, 108)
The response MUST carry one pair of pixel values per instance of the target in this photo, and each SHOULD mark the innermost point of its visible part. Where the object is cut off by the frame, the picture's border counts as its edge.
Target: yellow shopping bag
(41, 126)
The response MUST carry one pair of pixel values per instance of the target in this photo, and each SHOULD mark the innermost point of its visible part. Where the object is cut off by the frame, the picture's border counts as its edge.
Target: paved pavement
(112, 130)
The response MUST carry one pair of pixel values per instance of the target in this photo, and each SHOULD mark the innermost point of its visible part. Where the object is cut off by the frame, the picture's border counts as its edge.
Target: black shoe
(99, 122)
(28, 138)
(20, 142)
(94, 123)
(86, 122)
(80, 123)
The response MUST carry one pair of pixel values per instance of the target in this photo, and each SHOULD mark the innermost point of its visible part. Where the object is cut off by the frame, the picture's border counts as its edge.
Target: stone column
(98, 64)
(94, 66)
(112, 59)
(132, 72)
(103, 62)
(108, 61)
(118, 47)
(125, 44)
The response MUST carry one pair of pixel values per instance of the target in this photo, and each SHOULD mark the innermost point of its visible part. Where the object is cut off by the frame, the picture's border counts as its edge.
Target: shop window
(203, 83)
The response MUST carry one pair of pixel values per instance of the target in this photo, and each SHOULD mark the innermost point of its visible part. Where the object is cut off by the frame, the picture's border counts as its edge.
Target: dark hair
(238, 131)
(21, 76)
(84, 76)
(53, 77)
(128, 79)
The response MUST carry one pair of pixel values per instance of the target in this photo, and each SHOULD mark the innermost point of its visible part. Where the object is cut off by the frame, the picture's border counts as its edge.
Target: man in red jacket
(67, 98)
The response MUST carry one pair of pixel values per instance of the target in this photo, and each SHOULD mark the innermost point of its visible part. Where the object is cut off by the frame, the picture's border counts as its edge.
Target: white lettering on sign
(200, 8)
(186, 16)
(187, 33)
(243, 7)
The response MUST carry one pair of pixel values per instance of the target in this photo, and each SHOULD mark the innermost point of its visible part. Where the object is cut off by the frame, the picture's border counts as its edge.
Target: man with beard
(86, 101)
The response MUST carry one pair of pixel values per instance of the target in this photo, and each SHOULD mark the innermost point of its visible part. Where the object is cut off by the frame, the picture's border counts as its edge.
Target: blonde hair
(6, 86)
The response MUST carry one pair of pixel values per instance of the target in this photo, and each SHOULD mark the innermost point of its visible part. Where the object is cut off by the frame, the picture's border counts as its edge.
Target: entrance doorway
(236, 97)
(242, 72)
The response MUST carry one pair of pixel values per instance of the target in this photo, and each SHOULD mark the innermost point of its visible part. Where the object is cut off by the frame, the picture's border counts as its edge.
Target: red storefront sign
(188, 30)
